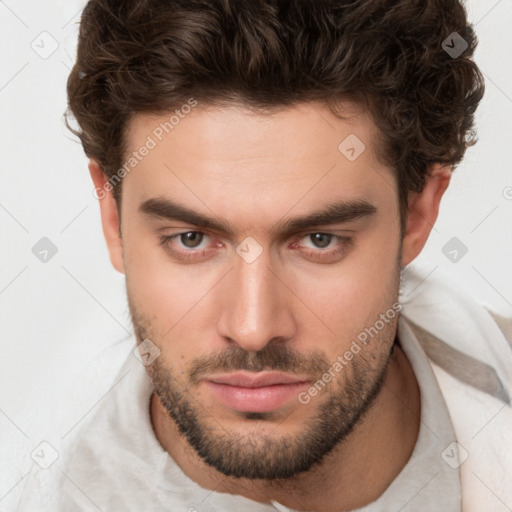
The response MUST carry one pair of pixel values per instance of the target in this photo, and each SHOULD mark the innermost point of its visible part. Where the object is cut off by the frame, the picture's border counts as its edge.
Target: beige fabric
(462, 366)
(505, 325)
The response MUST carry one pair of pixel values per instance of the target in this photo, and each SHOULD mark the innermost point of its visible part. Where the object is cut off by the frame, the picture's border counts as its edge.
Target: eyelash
(319, 255)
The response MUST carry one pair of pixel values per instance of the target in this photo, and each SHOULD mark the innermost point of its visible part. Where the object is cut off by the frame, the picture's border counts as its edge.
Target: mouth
(256, 392)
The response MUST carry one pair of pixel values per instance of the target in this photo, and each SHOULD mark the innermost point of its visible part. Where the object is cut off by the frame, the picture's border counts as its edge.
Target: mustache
(271, 357)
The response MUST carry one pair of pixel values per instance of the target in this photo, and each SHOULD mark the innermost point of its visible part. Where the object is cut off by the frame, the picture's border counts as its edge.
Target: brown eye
(191, 239)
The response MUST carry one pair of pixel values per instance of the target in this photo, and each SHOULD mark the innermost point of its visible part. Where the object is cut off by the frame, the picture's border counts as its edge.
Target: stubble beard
(270, 456)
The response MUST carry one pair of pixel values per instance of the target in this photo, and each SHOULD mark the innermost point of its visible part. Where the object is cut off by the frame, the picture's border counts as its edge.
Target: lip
(256, 380)
(256, 392)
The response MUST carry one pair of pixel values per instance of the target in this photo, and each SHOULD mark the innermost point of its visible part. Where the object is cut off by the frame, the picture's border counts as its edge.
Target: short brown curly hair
(150, 56)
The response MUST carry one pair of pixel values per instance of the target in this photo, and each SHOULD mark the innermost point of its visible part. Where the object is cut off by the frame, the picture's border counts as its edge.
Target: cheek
(350, 296)
(174, 302)
(161, 288)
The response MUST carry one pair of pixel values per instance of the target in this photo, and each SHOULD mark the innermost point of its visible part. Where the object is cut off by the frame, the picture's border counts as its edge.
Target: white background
(58, 316)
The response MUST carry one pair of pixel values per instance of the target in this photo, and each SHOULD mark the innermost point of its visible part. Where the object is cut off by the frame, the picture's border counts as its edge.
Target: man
(266, 172)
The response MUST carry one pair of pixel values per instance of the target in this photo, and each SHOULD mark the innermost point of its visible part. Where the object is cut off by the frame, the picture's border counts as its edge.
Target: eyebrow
(334, 213)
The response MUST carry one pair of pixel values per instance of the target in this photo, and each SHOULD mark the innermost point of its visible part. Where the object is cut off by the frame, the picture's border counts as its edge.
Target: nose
(256, 306)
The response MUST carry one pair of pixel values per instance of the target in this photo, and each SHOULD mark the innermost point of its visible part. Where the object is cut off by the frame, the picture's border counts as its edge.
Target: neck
(354, 474)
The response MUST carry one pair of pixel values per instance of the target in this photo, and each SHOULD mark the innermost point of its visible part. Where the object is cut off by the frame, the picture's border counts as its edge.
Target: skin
(252, 171)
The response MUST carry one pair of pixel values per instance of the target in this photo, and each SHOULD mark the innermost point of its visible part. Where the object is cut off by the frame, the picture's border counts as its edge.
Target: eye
(320, 240)
(323, 247)
(196, 246)
(191, 239)
(189, 246)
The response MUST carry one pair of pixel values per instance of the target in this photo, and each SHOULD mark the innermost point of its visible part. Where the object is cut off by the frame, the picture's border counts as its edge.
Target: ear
(423, 210)
(109, 215)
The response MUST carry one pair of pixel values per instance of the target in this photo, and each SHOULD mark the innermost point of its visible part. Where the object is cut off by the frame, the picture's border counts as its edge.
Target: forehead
(237, 132)
(233, 154)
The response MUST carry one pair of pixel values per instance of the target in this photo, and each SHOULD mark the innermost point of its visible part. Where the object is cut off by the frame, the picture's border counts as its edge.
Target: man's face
(251, 310)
